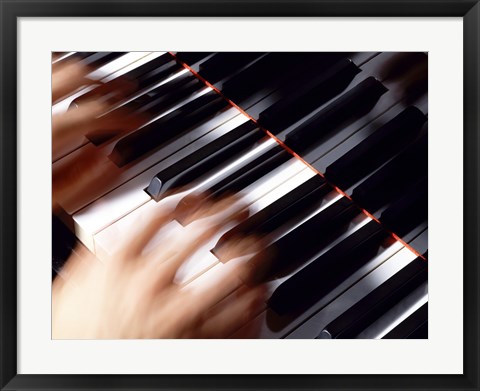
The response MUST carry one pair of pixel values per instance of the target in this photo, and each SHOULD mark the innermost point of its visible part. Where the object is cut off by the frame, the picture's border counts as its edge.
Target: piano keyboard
(329, 152)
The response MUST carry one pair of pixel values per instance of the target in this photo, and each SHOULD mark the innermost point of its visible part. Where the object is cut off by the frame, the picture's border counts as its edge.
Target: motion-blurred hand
(92, 117)
(133, 295)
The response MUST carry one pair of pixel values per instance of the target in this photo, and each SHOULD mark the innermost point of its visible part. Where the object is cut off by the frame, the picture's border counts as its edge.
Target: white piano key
(104, 241)
(298, 178)
(131, 195)
(189, 99)
(122, 65)
(117, 65)
(109, 241)
(202, 261)
(146, 90)
(211, 276)
(118, 176)
(101, 223)
(269, 183)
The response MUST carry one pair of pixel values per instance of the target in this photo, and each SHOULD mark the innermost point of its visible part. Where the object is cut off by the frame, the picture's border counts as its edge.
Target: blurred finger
(205, 297)
(74, 124)
(113, 124)
(227, 210)
(238, 246)
(68, 77)
(75, 177)
(112, 92)
(146, 230)
(232, 313)
(189, 244)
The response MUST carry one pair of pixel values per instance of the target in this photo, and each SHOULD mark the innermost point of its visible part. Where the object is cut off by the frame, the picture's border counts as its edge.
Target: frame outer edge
(471, 71)
(8, 195)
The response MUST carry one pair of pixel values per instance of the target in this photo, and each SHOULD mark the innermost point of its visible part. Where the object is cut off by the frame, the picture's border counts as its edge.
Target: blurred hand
(92, 117)
(133, 295)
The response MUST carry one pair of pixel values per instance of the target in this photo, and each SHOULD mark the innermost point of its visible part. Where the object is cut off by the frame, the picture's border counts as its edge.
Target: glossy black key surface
(327, 271)
(191, 58)
(252, 78)
(164, 129)
(63, 241)
(348, 107)
(154, 102)
(153, 70)
(358, 317)
(211, 156)
(306, 95)
(239, 175)
(271, 70)
(142, 76)
(145, 76)
(166, 95)
(224, 64)
(408, 211)
(376, 149)
(394, 178)
(96, 60)
(303, 242)
(295, 204)
(414, 326)
(249, 173)
(420, 243)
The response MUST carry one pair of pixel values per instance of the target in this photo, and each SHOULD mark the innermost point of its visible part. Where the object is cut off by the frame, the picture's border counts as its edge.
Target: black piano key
(377, 302)
(156, 101)
(191, 58)
(420, 244)
(408, 211)
(394, 178)
(252, 78)
(348, 107)
(153, 135)
(269, 70)
(142, 76)
(320, 276)
(414, 327)
(145, 76)
(204, 159)
(224, 64)
(96, 60)
(166, 95)
(288, 82)
(92, 59)
(256, 157)
(235, 180)
(307, 95)
(295, 204)
(63, 241)
(377, 148)
(249, 173)
(155, 69)
(306, 240)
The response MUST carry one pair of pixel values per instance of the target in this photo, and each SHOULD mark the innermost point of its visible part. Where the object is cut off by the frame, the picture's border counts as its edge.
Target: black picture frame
(10, 10)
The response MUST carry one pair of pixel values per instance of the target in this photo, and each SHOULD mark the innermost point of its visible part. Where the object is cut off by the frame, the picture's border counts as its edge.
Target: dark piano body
(330, 150)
